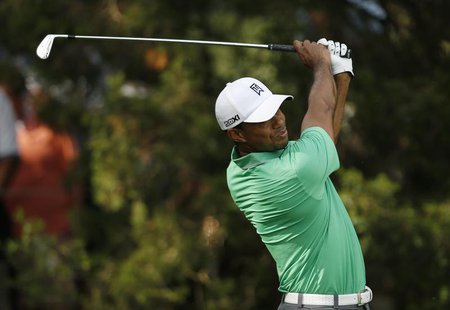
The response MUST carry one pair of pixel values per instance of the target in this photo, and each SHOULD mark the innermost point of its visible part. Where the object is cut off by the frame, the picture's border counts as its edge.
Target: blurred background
(116, 196)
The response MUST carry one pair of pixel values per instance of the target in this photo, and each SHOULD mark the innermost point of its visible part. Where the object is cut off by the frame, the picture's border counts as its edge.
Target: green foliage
(158, 228)
(402, 245)
(46, 268)
(154, 273)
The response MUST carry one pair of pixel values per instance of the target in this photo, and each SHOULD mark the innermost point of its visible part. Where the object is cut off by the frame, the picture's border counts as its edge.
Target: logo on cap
(232, 120)
(256, 88)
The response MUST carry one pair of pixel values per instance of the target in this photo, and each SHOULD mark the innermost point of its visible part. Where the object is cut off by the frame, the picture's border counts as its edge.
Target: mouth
(282, 133)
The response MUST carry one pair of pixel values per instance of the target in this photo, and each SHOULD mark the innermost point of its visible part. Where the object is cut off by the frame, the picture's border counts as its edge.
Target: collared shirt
(289, 198)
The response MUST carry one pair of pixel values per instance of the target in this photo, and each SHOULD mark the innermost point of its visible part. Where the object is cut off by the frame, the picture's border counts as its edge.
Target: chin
(281, 145)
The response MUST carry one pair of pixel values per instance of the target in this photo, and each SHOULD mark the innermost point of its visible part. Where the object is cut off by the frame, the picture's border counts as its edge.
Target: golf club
(44, 48)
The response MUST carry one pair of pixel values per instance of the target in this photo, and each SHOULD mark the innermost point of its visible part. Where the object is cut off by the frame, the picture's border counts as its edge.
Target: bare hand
(312, 55)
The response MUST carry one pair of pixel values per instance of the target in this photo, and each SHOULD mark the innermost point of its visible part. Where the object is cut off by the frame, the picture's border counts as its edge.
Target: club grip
(281, 47)
(290, 48)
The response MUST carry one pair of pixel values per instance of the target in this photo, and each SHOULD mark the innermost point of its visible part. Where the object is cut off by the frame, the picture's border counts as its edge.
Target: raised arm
(322, 96)
(342, 84)
(342, 70)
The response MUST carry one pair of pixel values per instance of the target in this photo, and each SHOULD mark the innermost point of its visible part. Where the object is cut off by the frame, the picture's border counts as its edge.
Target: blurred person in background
(40, 188)
(12, 90)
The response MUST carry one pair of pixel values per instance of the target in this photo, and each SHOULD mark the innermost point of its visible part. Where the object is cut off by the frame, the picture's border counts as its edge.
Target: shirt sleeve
(314, 157)
(8, 144)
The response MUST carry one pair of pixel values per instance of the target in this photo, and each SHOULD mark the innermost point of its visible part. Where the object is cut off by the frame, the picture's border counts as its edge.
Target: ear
(236, 135)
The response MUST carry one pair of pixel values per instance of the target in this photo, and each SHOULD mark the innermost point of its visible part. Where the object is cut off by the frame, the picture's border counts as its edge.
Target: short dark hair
(239, 126)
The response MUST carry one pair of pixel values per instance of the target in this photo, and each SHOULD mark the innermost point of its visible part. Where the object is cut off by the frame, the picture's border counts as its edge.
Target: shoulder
(316, 133)
(314, 154)
(313, 140)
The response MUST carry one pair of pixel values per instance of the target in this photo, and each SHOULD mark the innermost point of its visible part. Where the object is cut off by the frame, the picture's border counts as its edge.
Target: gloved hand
(338, 50)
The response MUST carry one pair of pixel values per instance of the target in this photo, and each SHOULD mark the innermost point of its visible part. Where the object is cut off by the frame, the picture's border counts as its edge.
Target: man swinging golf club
(284, 189)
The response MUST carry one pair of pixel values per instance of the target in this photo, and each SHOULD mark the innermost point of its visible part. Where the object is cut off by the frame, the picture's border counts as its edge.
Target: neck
(243, 149)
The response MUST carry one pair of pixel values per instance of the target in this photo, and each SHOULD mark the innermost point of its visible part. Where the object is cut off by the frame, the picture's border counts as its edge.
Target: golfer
(284, 188)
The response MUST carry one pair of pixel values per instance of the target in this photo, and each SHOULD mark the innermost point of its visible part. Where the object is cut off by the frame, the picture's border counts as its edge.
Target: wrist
(343, 76)
(322, 67)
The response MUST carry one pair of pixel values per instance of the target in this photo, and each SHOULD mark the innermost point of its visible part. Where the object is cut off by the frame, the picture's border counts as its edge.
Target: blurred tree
(158, 226)
(39, 258)
(404, 247)
(401, 97)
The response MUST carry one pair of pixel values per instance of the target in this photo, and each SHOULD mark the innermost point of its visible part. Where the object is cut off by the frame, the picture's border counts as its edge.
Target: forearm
(321, 101)
(342, 85)
(323, 92)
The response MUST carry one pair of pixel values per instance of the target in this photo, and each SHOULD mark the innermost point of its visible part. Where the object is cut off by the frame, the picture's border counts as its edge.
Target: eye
(264, 125)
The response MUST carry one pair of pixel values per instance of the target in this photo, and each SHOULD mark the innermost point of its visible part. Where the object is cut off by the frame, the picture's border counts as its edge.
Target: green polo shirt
(289, 198)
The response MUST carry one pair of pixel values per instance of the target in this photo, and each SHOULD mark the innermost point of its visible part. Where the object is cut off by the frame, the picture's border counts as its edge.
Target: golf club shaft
(272, 47)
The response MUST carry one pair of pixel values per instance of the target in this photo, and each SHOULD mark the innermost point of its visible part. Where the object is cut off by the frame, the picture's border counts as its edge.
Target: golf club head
(44, 48)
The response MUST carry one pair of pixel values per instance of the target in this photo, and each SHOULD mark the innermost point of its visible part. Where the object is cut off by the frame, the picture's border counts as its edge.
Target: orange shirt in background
(39, 186)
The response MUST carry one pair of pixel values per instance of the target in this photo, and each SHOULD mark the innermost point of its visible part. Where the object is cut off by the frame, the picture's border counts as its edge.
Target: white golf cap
(246, 100)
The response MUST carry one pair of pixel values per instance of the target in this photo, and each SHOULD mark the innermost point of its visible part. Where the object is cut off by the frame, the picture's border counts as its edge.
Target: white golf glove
(339, 62)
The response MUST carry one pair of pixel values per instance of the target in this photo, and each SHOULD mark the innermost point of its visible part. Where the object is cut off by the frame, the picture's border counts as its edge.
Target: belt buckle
(359, 299)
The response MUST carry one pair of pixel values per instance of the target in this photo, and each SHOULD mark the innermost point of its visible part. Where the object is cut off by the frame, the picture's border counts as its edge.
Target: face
(267, 136)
